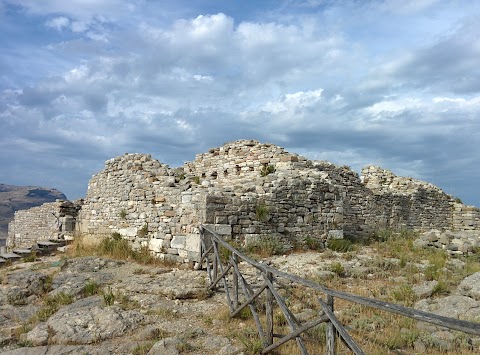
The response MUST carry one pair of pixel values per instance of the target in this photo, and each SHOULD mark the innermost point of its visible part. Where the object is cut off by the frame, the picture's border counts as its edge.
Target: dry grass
(400, 266)
(113, 246)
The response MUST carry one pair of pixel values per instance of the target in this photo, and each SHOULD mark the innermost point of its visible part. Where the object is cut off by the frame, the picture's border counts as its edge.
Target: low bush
(341, 245)
(265, 245)
(262, 212)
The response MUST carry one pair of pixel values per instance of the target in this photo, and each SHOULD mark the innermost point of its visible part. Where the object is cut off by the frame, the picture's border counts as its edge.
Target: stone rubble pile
(463, 242)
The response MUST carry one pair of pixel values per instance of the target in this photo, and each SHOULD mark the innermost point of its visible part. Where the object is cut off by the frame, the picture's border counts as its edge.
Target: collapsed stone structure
(52, 220)
(246, 189)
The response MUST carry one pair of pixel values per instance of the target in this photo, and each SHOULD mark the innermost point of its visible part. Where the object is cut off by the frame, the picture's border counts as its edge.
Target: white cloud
(406, 7)
(58, 23)
(199, 77)
(309, 82)
(294, 102)
(394, 106)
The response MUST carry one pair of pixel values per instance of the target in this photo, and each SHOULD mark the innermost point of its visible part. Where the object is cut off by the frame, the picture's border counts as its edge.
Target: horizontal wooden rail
(272, 276)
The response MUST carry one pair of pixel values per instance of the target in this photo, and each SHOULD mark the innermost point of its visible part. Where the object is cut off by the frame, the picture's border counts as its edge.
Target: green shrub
(340, 245)
(142, 349)
(313, 243)
(108, 297)
(266, 245)
(250, 340)
(30, 258)
(267, 169)
(51, 304)
(404, 294)
(338, 269)
(123, 214)
(116, 247)
(441, 288)
(262, 212)
(91, 288)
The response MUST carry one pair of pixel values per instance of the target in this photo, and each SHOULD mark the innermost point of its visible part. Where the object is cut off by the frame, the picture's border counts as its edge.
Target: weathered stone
(192, 243)
(86, 325)
(470, 286)
(425, 289)
(167, 346)
(455, 306)
(178, 242)
(156, 245)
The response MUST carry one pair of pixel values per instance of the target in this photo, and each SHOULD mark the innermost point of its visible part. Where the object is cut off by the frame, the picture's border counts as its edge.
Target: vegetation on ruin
(262, 212)
(143, 232)
(123, 214)
(266, 245)
(341, 245)
(114, 246)
(267, 170)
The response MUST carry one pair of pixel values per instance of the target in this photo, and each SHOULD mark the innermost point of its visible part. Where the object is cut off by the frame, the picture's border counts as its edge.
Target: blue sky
(391, 83)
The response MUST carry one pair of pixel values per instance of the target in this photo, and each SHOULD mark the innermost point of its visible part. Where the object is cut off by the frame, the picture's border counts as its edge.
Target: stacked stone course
(53, 220)
(246, 189)
(403, 202)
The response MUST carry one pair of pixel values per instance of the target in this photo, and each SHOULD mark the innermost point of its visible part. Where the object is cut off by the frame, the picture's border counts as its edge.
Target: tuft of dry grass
(113, 246)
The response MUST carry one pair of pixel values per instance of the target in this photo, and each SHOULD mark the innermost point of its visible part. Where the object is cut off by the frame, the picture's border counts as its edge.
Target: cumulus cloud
(175, 88)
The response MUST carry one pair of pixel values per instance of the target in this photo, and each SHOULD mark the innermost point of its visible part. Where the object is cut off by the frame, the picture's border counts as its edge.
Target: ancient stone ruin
(52, 220)
(245, 190)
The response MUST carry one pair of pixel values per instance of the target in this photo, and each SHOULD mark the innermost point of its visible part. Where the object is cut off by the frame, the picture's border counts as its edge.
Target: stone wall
(246, 189)
(403, 202)
(50, 221)
(146, 202)
(227, 188)
(465, 217)
(243, 178)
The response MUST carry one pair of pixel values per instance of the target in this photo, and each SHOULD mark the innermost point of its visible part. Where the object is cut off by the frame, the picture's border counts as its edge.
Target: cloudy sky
(394, 83)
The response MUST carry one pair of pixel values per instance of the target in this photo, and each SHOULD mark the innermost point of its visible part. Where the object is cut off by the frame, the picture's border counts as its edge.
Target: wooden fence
(241, 294)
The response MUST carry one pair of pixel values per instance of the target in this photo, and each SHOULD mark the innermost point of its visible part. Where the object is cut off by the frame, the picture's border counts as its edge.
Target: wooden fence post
(269, 311)
(330, 332)
(235, 281)
(215, 258)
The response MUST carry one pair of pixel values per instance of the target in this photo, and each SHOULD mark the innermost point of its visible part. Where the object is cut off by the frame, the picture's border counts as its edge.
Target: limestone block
(156, 245)
(192, 242)
(183, 253)
(335, 234)
(172, 251)
(186, 197)
(159, 199)
(221, 219)
(178, 242)
(128, 232)
(169, 213)
(223, 229)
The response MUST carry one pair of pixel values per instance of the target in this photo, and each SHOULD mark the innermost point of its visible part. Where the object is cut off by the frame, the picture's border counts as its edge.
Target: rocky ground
(93, 305)
(114, 307)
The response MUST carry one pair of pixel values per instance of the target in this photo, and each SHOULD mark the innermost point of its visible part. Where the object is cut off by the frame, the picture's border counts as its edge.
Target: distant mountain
(14, 198)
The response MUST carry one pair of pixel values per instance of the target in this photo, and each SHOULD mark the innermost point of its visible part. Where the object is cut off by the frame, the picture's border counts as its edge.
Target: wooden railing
(241, 294)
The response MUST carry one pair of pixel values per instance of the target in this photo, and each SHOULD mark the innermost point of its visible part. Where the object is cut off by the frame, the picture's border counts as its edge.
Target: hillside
(14, 198)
